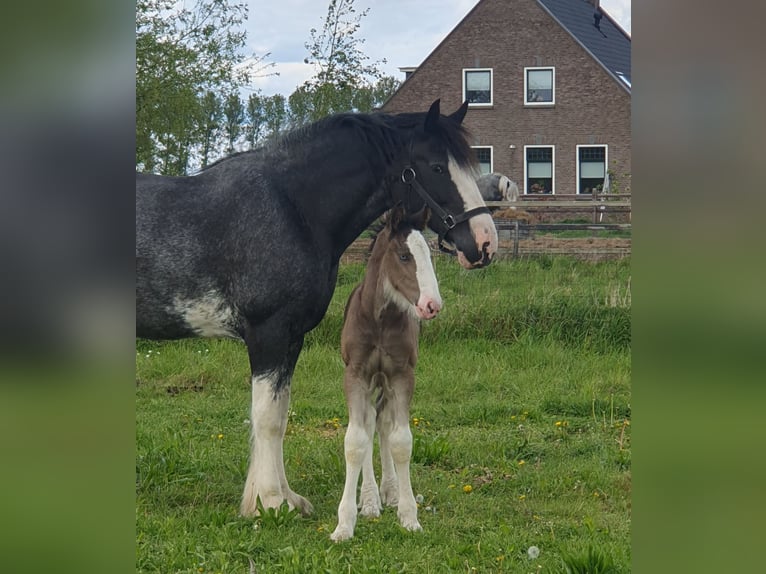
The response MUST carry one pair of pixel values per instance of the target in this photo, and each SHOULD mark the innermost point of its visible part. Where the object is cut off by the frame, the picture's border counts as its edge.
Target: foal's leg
(369, 499)
(268, 418)
(389, 485)
(399, 438)
(358, 449)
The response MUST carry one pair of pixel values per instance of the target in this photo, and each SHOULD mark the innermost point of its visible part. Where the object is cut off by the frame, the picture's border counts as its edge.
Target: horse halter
(446, 220)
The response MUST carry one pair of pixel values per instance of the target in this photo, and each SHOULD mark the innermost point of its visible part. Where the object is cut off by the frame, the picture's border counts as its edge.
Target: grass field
(521, 424)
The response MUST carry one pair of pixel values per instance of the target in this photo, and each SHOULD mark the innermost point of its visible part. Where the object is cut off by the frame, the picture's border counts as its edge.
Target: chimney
(597, 14)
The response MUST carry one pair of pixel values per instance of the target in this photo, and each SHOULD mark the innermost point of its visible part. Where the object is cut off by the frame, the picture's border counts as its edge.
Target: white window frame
(553, 167)
(577, 162)
(553, 86)
(491, 155)
(491, 88)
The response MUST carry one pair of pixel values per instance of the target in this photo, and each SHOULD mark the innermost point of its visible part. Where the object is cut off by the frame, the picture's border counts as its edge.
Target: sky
(404, 32)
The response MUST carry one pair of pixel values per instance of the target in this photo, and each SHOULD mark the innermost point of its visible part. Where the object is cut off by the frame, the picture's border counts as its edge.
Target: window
(477, 86)
(591, 168)
(539, 84)
(484, 157)
(538, 169)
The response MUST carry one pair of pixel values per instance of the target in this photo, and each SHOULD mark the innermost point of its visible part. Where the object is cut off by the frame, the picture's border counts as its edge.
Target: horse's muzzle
(484, 235)
(428, 307)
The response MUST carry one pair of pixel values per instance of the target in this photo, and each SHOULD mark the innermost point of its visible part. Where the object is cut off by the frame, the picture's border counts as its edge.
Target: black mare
(249, 248)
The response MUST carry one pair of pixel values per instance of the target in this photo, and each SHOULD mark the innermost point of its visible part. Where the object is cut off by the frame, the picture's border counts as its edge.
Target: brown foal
(379, 345)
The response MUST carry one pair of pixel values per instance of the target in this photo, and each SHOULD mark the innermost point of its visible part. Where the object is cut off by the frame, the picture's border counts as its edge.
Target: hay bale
(513, 214)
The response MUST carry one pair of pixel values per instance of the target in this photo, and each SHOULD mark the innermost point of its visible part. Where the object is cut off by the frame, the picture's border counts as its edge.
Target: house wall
(507, 36)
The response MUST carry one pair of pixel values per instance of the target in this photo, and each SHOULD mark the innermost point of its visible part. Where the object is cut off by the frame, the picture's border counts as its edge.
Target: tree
(212, 117)
(383, 89)
(182, 53)
(255, 119)
(301, 104)
(275, 114)
(344, 77)
(234, 112)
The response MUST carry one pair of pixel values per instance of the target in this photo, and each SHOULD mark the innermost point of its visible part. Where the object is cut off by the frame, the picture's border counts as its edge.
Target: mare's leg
(399, 437)
(268, 418)
(358, 448)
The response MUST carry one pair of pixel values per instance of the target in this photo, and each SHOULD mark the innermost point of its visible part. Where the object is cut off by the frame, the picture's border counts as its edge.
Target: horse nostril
(486, 256)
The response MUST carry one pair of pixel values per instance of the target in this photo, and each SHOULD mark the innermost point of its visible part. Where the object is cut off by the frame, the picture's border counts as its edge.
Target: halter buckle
(408, 175)
(449, 221)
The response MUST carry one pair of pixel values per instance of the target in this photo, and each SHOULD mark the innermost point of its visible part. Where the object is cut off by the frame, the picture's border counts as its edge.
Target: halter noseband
(446, 220)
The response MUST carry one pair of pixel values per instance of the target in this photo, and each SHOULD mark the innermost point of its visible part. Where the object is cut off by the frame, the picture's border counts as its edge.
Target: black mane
(384, 134)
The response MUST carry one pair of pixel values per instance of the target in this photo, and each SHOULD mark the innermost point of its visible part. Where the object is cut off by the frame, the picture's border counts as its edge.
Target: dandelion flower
(467, 488)
(220, 436)
(533, 552)
(522, 462)
(522, 496)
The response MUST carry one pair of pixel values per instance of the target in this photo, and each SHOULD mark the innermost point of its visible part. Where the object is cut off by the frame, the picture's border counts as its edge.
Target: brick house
(548, 85)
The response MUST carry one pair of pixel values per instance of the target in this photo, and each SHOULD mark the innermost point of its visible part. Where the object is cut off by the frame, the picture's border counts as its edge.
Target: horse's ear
(396, 216)
(432, 117)
(422, 218)
(460, 113)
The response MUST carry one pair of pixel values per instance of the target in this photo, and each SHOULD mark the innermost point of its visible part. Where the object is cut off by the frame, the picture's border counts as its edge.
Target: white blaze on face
(430, 301)
(482, 226)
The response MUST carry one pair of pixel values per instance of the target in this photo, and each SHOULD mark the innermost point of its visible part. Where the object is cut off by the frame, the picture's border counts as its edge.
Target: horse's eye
(404, 257)
(437, 168)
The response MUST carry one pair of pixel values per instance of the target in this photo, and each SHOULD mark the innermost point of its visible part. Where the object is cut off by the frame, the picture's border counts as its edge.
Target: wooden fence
(517, 238)
(597, 204)
(587, 241)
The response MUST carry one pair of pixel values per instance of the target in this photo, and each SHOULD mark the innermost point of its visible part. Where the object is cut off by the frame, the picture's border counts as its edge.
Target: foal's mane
(414, 221)
(381, 133)
(377, 226)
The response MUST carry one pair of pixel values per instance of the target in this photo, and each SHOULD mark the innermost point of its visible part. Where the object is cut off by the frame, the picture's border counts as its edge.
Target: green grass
(585, 233)
(523, 395)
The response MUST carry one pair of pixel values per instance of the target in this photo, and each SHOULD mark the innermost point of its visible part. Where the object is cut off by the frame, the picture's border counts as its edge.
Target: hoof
(341, 534)
(371, 510)
(411, 525)
(389, 494)
(249, 506)
(303, 505)
(369, 504)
